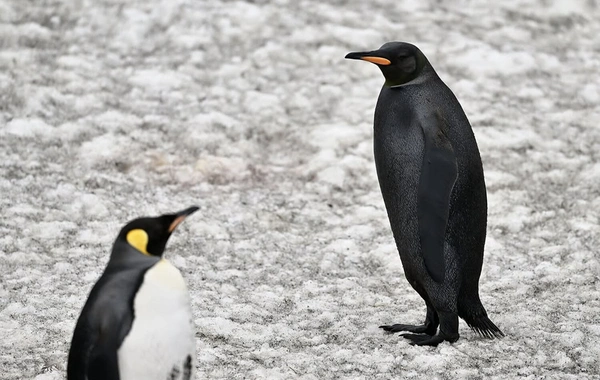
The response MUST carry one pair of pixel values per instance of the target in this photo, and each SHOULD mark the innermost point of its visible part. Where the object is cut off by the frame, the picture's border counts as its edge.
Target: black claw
(387, 328)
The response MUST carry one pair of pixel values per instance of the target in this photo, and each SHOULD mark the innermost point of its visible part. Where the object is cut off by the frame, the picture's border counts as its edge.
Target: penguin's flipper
(101, 328)
(103, 362)
(93, 356)
(438, 175)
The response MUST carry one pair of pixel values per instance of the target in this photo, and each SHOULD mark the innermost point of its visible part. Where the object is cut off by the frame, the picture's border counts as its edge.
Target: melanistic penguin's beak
(180, 217)
(370, 56)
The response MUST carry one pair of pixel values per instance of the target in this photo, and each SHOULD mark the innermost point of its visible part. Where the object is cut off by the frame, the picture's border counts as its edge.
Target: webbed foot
(426, 340)
(417, 329)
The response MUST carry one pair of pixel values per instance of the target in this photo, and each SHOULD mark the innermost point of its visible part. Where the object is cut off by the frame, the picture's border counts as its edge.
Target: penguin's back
(468, 202)
(160, 344)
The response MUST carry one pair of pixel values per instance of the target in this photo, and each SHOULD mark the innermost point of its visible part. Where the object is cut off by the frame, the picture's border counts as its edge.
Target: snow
(28, 128)
(110, 110)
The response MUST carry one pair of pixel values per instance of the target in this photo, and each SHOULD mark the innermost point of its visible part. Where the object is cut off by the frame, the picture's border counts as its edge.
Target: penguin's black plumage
(431, 179)
(115, 303)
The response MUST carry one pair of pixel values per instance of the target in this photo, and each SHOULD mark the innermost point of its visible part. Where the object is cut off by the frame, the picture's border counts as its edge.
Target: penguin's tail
(483, 326)
(477, 319)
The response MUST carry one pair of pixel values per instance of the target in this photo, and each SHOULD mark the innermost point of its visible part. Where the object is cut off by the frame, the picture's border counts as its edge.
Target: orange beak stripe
(377, 60)
(176, 222)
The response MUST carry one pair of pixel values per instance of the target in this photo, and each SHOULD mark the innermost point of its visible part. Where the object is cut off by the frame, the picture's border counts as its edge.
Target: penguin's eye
(138, 239)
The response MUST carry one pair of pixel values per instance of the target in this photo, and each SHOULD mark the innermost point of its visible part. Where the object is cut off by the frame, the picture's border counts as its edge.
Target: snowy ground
(112, 109)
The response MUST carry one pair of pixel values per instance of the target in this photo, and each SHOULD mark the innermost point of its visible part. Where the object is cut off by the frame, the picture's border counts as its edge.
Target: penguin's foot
(417, 329)
(426, 340)
(423, 340)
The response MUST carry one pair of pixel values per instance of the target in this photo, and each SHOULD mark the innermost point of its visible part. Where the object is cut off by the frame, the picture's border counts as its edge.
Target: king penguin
(431, 178)
(137, 321)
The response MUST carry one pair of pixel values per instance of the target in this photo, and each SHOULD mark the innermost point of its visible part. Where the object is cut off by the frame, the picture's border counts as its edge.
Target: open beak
(370, 56)
(180, 217)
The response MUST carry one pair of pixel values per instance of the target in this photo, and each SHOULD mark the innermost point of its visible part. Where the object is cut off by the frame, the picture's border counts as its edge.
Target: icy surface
(112, 109)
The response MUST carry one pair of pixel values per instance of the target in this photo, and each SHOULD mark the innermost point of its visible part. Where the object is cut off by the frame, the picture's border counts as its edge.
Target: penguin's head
(400, 62)
(149, 235)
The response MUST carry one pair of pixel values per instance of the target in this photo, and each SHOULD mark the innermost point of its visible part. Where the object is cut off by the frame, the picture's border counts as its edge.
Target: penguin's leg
(429, 327)
(448, 331)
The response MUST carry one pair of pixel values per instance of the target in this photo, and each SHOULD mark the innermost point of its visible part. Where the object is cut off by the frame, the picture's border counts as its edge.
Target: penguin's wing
(105, 320)
(102, 362)
(438, 175)
(93, 353)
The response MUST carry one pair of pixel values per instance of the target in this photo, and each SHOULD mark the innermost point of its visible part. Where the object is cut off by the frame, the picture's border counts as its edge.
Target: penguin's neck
(124, 254)
(418, 78)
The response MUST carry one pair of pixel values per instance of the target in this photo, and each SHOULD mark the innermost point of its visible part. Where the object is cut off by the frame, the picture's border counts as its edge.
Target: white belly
(161, 343)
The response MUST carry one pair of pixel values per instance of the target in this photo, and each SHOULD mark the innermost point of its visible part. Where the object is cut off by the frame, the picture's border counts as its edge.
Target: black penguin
(137, 321)
(431, 179)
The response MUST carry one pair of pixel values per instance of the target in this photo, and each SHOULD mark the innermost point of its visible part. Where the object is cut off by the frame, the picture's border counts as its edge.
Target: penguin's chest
(160, 344)
(398, 151)
(398, 155)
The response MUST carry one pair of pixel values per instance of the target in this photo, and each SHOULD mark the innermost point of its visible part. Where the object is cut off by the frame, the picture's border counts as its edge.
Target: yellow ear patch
(138, 239)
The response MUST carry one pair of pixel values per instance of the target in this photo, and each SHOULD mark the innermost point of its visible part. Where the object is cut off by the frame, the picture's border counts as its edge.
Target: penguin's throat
(402, 79)
(393, 84)
(407, 80)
